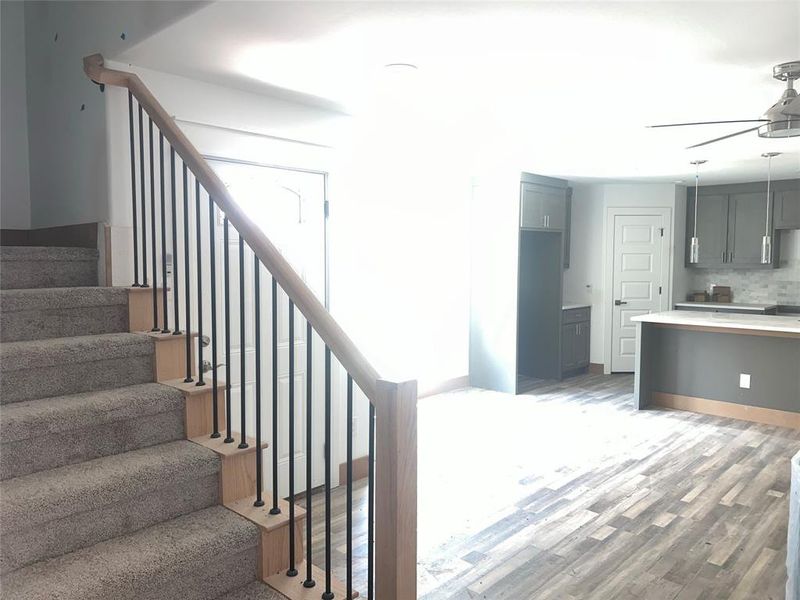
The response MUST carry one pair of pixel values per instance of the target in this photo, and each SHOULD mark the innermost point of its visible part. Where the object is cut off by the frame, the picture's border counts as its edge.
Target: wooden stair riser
(170, 357)
(140, 309)
(199, 405)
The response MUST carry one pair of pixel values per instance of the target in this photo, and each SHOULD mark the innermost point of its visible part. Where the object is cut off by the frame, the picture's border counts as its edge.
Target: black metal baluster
(199, 232)
(292, 572)
(143, 196)
(187, 281)
(175, 304)
(257, 323)
(275, 510)
(371, 505)
(164, 286)
(328, 594)
(309, 582)
(349, 515)
(133, 194)
(227, 286)
(213, 260)
(242, 361)
(153, 230)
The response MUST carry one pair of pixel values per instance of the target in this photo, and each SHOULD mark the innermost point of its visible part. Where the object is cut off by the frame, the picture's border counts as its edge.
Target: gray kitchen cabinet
(787, 209)
(568, 229)
(731, 221)
(747, 213)
(543, 207)
(575, 338)
(712, 229)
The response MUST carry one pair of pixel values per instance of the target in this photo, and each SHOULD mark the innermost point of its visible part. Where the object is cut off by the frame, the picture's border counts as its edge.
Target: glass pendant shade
(694, 251)
(766, 250)
(766, 240)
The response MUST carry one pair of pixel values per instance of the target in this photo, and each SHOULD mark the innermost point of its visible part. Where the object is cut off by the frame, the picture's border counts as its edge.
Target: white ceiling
(561, 88)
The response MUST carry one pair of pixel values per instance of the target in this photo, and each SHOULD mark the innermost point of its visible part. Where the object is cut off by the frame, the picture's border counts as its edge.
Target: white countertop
(571, 306)
(727, 305)
(786, 324)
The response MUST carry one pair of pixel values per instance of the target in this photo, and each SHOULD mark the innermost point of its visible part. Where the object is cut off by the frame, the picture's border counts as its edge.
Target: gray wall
(66, 112)
(781, 285)
(15, 201)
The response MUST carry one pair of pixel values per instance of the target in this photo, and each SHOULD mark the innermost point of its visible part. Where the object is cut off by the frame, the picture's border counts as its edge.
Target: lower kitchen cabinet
(575, 337)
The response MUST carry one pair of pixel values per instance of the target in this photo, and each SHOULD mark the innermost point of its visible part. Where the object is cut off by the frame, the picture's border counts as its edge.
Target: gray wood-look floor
(566, 492)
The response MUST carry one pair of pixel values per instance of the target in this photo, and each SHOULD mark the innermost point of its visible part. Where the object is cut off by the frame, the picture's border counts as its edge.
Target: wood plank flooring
(566, 492)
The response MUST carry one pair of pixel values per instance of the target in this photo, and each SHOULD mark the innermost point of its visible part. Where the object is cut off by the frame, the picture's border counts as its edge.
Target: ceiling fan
(782, 119)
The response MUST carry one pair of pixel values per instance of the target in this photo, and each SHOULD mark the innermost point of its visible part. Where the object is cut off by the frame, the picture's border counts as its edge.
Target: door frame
(325, 200)
(608, 266)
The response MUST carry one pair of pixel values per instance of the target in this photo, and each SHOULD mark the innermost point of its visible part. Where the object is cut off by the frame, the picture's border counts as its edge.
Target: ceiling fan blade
(708, 123)
(725, 137)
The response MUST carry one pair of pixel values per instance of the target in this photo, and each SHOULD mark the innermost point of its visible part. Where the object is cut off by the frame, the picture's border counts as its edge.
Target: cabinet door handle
(723, 257)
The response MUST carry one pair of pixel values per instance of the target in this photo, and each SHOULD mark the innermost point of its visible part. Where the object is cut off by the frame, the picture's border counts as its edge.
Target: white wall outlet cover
(744, 380)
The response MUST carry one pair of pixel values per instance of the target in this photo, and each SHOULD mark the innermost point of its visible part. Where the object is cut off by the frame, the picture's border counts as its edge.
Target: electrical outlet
(744, 381)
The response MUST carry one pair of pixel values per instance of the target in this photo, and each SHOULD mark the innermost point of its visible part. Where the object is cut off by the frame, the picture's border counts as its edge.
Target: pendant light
(694, 246)
(766, 241)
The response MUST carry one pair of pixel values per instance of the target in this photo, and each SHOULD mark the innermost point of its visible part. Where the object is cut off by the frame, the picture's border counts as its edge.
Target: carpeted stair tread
(51, 432)
(55, 367)
(31, 354)
(63, 297)
(197, 556)
(47, 253)
(57, 511)
(25, 267)
(44, 313)
(254, 591)
(47, 495)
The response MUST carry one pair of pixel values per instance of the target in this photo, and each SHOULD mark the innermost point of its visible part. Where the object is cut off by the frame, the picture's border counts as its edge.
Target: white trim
(608, 267)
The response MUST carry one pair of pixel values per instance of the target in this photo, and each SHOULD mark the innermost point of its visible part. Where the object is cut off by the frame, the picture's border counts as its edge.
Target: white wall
(15, 201)
(66, 112)
(584, 281)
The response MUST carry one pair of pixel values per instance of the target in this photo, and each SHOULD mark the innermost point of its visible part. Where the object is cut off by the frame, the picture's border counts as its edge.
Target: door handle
(619, 302)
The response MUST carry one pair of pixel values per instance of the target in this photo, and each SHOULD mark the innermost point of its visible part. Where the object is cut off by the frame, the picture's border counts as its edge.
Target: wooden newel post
(396, 491)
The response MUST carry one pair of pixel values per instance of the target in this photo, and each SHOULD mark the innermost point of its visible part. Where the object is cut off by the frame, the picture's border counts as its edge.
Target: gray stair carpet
(36, 435)
(43, 368)
(57, 511)
(254, 591)
(35, 314)
(47, 267)
(199, 556)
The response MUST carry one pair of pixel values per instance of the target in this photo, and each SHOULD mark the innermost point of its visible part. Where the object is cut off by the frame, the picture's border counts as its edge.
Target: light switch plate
(744, 381)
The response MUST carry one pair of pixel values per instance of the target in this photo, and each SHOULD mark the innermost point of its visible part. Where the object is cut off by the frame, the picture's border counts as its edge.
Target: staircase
(101, 494)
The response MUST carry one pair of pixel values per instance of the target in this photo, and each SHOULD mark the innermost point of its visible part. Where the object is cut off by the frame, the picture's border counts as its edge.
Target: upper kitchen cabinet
(747, 214)
(732, 219)
(545, 204)
(787, 208)
(712, 228)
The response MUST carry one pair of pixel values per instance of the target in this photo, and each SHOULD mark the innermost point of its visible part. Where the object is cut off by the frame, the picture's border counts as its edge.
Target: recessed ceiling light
(399, 66)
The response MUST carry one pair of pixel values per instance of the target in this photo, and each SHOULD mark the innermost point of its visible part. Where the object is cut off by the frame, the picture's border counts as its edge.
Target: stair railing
(392, 457)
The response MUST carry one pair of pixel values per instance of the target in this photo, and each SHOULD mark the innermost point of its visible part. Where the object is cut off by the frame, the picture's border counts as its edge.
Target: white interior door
(638, 281)
(289, 207)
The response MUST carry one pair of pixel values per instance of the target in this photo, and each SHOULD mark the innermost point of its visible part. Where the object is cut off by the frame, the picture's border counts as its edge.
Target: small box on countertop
(697, 297)
(721, 293)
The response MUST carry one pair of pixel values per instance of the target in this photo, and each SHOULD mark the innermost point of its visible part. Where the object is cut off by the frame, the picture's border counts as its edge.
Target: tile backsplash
(781, 285)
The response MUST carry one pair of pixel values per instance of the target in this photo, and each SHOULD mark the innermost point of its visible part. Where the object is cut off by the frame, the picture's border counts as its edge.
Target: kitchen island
(731, 365)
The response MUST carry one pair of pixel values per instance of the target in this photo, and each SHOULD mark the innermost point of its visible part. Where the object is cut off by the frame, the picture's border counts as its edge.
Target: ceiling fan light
(784, 128)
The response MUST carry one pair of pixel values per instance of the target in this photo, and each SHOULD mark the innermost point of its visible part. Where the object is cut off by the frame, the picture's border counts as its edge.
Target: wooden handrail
(354, 362)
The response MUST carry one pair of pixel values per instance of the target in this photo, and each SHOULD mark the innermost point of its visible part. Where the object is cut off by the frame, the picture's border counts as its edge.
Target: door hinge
(662, 231)
(327, 209)
(659, 290)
